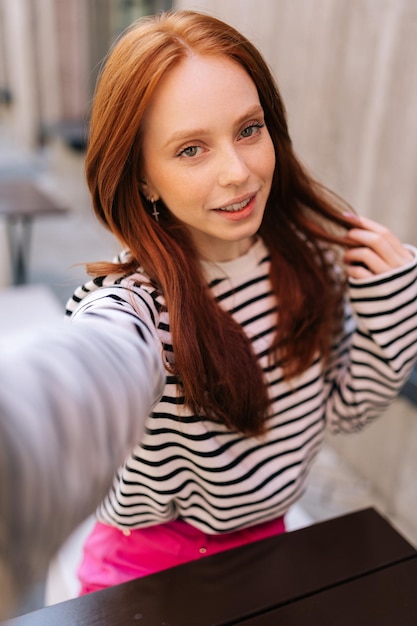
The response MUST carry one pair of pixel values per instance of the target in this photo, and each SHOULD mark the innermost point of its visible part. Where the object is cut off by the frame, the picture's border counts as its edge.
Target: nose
(233, 169)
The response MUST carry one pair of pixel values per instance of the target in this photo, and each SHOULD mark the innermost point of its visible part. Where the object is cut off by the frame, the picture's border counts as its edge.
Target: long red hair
(212, 354)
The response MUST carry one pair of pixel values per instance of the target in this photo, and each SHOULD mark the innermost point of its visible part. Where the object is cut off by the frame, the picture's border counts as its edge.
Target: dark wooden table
(21, 201)
(383, 598)
(354, 570)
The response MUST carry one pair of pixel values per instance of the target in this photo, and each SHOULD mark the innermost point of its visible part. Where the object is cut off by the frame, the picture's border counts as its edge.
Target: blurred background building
(348, 74)
(50, 56)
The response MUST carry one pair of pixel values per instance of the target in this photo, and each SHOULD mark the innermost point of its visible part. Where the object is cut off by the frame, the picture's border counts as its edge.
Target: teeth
(232, 208)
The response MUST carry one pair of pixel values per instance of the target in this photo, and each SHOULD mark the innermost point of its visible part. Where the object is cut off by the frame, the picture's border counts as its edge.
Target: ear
(143, 186)
(147, 190)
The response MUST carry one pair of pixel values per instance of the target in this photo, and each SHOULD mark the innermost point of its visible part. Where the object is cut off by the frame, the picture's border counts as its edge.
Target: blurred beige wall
(348, 72)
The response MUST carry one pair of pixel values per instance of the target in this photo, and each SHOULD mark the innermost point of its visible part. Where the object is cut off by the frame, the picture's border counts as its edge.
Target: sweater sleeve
(73, 401)
(377, 351)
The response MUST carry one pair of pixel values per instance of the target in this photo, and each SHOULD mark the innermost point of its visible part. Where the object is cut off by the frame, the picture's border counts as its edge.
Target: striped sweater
(188, 466)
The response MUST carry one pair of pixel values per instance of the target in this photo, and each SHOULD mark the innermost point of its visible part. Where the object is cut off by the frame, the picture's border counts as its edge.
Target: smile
(233, 208)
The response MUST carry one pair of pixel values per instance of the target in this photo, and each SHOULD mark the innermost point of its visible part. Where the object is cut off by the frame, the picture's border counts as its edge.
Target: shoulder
(134, 291)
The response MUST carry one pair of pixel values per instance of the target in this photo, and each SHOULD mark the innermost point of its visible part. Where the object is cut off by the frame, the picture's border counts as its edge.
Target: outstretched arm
(73, 401)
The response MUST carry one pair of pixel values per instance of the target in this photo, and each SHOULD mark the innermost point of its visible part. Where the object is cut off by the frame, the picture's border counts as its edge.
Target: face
(207, 154)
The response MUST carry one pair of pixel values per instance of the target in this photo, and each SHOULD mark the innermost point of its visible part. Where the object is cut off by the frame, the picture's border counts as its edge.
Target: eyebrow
(188, 133)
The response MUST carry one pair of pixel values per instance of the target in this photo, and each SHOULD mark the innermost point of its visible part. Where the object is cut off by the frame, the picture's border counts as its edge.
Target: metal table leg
(19, 236)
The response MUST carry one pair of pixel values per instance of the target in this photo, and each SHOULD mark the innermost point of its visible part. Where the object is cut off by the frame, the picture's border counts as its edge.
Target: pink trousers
(113, 556)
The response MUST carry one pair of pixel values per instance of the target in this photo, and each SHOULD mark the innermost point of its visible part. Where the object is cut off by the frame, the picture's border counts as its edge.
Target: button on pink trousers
(113, 556)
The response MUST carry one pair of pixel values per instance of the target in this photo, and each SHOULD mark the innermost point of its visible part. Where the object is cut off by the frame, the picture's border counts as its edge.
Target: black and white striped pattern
(188, 466)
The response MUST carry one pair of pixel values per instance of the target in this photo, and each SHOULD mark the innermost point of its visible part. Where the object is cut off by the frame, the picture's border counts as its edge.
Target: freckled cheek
(195, 185)
(263, 162)
(185, 193)
(169, 186)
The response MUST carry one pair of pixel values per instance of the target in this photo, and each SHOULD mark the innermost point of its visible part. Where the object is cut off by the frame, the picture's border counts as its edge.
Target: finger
(366, 257)
(379, 243)
(365, 223)
(382, 241)
(358, 271)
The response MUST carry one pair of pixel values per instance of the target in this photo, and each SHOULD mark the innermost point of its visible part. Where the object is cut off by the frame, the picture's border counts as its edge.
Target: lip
(243, 213)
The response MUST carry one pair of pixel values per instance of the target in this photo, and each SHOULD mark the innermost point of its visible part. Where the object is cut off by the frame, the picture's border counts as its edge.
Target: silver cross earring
(155, 212)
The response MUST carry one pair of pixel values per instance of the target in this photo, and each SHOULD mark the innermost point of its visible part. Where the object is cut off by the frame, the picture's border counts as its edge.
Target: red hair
(212, 353)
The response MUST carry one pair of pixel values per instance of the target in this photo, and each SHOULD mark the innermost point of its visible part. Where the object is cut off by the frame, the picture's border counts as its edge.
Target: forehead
(199, 91)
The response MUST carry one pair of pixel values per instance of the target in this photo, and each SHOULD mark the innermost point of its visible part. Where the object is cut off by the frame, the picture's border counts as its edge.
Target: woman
(275, 310)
